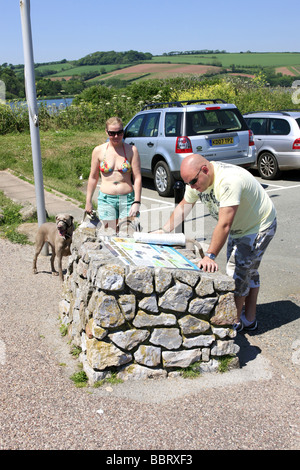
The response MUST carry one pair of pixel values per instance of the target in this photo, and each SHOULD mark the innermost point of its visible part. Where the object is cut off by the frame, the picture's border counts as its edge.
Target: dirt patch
(285, 71)
(164, 70)
(55, 79)
(29, 229)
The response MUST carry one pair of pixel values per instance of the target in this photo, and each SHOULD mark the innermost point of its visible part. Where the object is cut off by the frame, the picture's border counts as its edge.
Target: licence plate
(221, 141)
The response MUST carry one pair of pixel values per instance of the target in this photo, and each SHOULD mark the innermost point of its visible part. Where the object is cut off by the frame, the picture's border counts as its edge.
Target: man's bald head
(191, 165)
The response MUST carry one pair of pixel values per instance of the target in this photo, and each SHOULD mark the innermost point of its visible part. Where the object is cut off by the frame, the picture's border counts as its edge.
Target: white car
(277, 141)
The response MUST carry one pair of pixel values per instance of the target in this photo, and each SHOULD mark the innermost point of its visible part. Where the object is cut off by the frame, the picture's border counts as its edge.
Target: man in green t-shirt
(245, 216)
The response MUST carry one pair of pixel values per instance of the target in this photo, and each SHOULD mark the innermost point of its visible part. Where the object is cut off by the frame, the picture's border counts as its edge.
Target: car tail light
(212, 108)
(183, 145)
(296, 144)
(251, 138)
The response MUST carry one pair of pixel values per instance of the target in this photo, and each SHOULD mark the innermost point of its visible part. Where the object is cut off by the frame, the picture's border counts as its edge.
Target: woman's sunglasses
(194, 180)
(114, 133)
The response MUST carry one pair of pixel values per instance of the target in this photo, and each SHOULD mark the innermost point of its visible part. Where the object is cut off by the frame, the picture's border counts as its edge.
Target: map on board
(146, 254)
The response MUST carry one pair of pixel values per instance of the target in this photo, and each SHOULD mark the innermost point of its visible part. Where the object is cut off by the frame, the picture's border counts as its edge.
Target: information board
(146, 254)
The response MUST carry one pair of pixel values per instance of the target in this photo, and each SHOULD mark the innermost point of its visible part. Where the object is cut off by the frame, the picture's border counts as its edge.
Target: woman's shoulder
(99, 149)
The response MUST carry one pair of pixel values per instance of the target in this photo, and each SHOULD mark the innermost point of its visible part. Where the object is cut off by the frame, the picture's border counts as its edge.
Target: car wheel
(163, 179)
(267, 166)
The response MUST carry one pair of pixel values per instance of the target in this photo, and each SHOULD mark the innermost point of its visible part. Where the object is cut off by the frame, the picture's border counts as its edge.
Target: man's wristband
(211, 256)
(136, 202)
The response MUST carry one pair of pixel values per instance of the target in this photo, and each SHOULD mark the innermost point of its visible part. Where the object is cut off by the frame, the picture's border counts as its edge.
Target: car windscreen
(213, 122)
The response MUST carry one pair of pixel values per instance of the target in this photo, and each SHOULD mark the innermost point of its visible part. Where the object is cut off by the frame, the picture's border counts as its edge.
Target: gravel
(255, 407)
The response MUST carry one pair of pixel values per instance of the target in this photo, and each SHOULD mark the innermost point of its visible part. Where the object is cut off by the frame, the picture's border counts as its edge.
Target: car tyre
(267, 166)
(163, 179)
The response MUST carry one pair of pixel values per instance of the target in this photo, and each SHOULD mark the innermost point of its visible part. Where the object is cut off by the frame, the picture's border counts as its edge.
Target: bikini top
(125, 167)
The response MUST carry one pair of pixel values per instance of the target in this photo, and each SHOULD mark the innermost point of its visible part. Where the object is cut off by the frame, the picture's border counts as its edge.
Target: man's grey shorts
(244, 256)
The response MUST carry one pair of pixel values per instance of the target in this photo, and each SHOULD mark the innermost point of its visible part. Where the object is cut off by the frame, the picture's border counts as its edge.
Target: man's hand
(208, 265)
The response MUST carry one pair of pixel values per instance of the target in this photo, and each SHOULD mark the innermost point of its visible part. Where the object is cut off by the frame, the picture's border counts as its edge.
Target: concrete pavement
(21, 191)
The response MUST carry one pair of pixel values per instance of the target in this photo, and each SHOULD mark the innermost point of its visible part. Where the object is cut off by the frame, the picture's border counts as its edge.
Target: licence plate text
(221, 141)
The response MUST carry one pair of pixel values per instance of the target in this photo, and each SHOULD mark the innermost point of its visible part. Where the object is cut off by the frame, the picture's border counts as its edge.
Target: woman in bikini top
(122, 179)
(125, 167)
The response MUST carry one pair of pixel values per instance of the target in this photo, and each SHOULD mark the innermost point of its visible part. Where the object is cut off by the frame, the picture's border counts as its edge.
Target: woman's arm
(137, 181)
(93, 180)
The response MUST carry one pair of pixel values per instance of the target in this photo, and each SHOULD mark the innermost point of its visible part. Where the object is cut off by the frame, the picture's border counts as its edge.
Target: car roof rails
(180, 104)
(284, 113)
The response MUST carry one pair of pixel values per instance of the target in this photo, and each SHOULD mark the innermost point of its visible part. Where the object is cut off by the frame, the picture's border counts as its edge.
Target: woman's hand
(88, 207)
(135, 209)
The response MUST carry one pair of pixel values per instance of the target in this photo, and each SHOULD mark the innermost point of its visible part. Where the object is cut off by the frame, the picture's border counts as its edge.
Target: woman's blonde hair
(113, 120)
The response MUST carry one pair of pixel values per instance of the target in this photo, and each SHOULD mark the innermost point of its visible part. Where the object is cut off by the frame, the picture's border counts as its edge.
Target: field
(185, 64)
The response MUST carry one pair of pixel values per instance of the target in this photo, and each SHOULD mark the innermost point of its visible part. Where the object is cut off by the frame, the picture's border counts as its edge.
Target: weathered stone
(129, 339)
(176, 298)
(202, 306)
(205, 286)
(163, 279)
(201, 340)
(107, 313)
(210, 366)
(180, 358)
(223, 283)
(96, 331)
(140, 280)
(143, 319)
(223, 332)
(93, 375)
(224, 348)
(64, 307)
(167, 337)
(82, 269)
(148, 355)
(188, 277)
(111, 278)
(225, 311)
(149, 304)
(191, 325)
(205, 354)
(127, 303)
(139, 372)
(101, 355)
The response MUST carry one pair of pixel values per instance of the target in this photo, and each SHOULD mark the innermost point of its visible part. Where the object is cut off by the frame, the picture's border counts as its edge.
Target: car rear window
(173, 122)
(213, 121)
(298, 121)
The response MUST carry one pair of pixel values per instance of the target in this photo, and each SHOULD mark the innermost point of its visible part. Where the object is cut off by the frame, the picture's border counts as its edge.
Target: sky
(71, 29)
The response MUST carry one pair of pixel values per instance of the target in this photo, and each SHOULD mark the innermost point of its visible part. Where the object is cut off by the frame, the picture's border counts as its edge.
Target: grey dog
(59, 237)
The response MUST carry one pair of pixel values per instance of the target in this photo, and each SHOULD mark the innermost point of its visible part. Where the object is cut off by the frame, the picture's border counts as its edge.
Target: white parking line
(281, 188)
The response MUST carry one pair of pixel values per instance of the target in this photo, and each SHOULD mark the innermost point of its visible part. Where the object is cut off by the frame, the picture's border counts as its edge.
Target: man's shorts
(244, 256)
(113, 207)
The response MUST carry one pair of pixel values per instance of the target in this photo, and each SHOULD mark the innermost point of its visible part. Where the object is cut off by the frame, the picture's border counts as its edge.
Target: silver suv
(165, 133)
(277, 141)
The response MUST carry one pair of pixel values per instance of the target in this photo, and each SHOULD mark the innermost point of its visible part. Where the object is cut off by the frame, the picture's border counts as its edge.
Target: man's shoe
(253, 326)
(238, 326)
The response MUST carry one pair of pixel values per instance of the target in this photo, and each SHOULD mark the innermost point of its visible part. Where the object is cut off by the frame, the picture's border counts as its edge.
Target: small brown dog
(59, 237)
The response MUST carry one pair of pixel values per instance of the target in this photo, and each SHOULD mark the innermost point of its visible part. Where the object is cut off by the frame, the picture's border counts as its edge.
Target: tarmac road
(254, 407)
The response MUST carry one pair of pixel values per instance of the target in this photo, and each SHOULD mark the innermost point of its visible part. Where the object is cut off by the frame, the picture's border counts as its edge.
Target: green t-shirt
(235, 186)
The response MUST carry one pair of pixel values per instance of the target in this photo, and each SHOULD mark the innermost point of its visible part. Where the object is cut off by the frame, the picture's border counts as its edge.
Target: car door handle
(150, 144)
(131, 143)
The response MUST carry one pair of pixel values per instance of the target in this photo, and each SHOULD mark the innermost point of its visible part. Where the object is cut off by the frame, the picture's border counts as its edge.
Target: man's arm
(219, 237)
(180, 212)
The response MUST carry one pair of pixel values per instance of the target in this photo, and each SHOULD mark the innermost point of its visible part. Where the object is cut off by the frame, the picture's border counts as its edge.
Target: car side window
(257, 125)
(150, 125)
(173, 124)
(133, 130)
(279, 127)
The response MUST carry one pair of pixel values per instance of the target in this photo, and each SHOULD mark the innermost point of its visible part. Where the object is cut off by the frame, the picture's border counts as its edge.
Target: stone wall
(142, 322)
